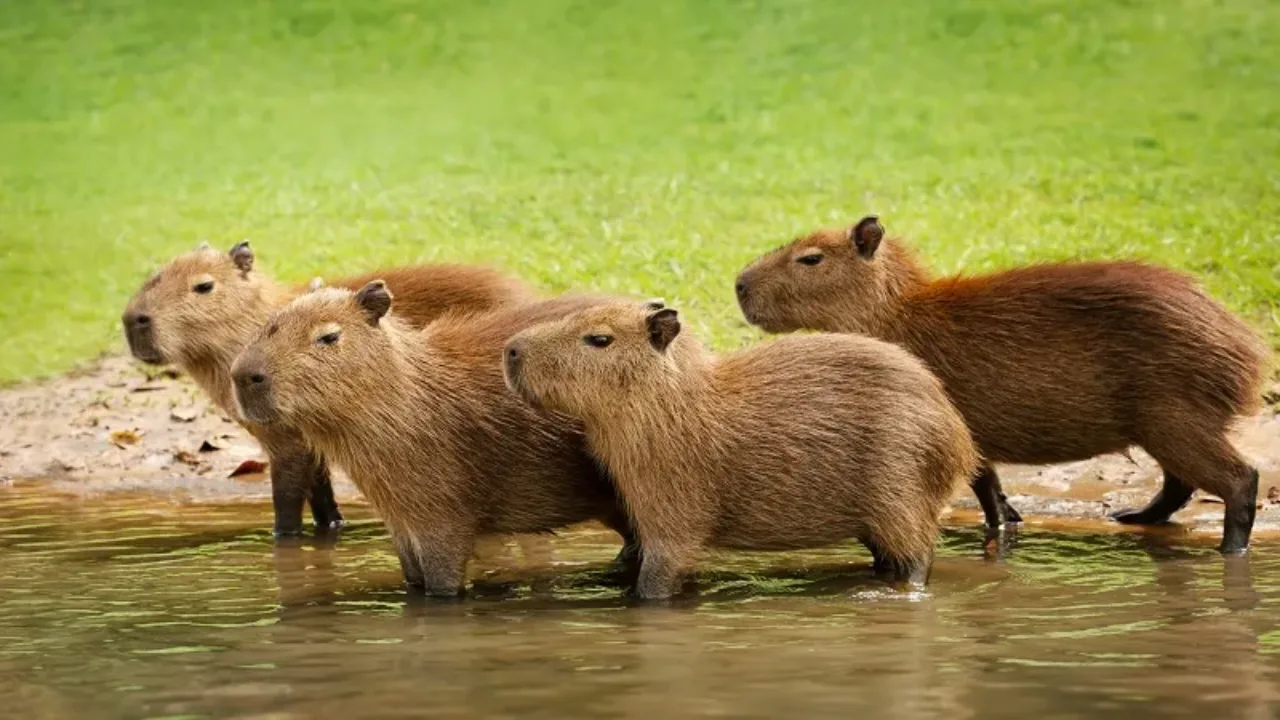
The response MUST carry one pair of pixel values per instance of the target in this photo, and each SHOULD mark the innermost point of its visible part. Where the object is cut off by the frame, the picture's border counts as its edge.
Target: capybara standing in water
(200, 309)
(803, 442)
(423, 424)
(1048, 363)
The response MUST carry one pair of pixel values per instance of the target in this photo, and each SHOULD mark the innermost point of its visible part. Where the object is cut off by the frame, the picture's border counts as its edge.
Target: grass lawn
(649, 148)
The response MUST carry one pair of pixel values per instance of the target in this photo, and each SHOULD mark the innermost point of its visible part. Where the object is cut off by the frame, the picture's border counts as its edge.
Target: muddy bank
(114, 426)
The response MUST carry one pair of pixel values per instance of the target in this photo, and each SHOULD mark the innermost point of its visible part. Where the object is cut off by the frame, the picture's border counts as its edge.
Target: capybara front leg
(409, 562)
(662, 572)
(1237, 523)
(444, 565)
(1173, 496)
(629, 555)
(324, 506)
(290, 478)
(995, 506)
(912, 571)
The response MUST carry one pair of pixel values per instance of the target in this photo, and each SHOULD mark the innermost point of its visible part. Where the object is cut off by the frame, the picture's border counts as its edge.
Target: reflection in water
(117, 606)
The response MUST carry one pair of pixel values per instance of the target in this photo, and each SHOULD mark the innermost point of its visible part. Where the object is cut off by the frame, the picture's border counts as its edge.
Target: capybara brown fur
(423, 423)
(201, 308)
(801, 442)
(1048, 363)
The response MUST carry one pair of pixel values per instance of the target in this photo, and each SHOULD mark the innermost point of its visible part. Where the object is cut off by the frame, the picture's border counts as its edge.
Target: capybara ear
(664, 326)
(315, 284)
(866, 235)
(242, 256)
(203, 246)
(375, 300)
(654, 304)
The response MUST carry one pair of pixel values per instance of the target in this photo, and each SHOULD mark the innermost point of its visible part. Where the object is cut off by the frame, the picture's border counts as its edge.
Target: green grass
(649, 147)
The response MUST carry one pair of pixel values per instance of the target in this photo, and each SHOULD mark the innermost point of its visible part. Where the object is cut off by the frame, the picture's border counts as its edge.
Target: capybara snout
(253, 388)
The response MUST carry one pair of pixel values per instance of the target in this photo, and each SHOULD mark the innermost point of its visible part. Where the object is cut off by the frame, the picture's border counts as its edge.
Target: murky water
(123, 607)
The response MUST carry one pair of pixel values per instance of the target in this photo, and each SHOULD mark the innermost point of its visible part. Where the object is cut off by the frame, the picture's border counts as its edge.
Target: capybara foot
(998, 543)
(1011, 515)
(913, 573)
(1172, 497)
(996, 510)
(287, 531)
(1237, 523)
(331, 526)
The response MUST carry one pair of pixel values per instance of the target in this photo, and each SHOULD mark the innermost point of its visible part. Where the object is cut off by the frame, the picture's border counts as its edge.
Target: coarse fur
(1048, 363)
(201, 308)
(423, 424)
(801, 442)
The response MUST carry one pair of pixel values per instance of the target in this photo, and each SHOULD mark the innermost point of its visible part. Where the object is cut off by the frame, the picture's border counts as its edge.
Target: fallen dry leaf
(1273, 495)
(186, 457)
(125, 438)
(217, 442)
(249, 467)
(184, 414)
(168, 373)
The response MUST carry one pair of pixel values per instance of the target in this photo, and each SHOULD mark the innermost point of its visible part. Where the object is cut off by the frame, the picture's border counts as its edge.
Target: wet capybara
(801, 442)
(424, 425)
(1048, 363)
(201, 308)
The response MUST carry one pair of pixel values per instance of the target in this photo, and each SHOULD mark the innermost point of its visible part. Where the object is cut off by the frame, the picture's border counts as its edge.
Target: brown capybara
(200, 309)
(1048, 363)
(424, 425)
(802, 442)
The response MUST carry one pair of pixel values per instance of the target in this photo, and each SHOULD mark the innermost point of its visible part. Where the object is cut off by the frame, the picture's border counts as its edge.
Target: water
(122, 607)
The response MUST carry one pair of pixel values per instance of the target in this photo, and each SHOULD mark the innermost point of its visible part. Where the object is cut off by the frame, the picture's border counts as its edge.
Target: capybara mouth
(260, 411)
(143, 349)
(257, 404)
(511, 372)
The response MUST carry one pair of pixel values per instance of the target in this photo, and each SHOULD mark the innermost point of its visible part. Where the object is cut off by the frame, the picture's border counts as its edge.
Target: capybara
(424, 425)
(1047, 363)
(802, 442)
(200, 309)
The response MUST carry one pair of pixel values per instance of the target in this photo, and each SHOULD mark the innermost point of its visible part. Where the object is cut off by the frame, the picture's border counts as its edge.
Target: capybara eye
(328, 338)
(813, 259)
(598, 340)
(203, 288)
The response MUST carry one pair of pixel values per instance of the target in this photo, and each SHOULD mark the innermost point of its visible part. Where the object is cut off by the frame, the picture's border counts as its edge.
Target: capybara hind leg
(995, 506)
(1214, 466)
(324, 506)
(1237, 523)
(1173, 496)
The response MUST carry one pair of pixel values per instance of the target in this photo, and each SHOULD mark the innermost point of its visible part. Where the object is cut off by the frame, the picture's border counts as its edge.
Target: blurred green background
(645, 147)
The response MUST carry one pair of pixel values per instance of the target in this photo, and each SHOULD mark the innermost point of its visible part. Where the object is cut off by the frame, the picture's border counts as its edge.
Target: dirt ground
(114, 426)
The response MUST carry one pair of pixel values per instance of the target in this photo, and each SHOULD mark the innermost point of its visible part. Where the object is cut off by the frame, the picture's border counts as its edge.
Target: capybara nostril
(513, 354)
(137, 320)
(257, 378)
(740, 288)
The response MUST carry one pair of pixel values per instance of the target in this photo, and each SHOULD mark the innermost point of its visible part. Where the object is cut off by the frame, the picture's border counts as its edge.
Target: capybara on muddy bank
(801, 442)
(200, 309)
(1048, 363)
(424, 425)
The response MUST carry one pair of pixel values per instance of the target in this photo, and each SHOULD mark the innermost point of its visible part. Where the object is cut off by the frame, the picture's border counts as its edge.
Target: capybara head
(832, 279)
(316, 356)
(600, 356)
(195, 306)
